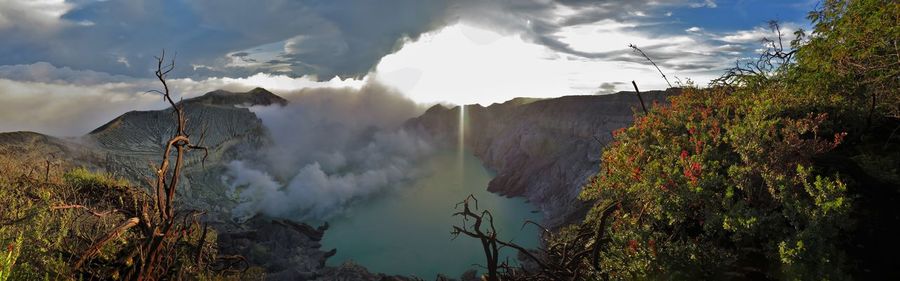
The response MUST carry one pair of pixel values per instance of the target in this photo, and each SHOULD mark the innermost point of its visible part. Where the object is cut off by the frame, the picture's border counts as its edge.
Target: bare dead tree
(164, 231)
(165, 192)
(638, 92)
(488, 239)
(115, 233)
(769, 62)
(168, 228)
(638, 50)
(481, 226)
(573, 257)
(600, 234)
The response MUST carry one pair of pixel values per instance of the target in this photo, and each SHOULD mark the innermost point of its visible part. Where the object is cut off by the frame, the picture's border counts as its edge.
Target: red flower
(838, 138)
(684, 154)
(633, 245)
(715, 130)
(693, 172)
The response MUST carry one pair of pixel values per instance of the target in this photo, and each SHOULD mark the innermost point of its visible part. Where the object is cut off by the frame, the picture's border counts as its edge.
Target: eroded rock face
(544, 150)
(219, 120)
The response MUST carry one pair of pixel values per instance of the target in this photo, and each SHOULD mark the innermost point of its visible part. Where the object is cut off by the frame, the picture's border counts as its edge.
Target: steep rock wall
(543, 150)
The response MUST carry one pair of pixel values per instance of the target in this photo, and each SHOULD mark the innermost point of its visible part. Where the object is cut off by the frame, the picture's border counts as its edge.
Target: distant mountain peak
(257, 96)
(436, 108)
(221, 101)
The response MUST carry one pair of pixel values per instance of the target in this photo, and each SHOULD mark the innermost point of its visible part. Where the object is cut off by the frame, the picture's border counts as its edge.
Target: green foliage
(718, 182)
(8, 260)
(49, 238)
(753, 181)
(854, 53)
(83, 178)
(26, 220)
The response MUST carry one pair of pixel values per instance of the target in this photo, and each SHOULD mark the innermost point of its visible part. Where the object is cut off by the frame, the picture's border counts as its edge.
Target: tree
(167, 244)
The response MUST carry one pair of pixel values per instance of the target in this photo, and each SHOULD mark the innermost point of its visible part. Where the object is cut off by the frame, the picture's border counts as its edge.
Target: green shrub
(762, 180)
(719, 182)
(8, 258)
(83, 178)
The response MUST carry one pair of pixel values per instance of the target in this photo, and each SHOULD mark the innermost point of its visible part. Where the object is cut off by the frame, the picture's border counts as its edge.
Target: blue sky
(456, 51)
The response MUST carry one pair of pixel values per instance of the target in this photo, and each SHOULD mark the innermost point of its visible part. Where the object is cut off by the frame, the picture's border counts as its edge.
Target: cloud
(34, 16)
(757, 34)
(101, 35)
(68, 102)
(601, 31)
(539, 20)
(65, 109)
(331, 147)
(297, 37)
(609, 87)
(705, 3)
(331, 38)
(464, 64)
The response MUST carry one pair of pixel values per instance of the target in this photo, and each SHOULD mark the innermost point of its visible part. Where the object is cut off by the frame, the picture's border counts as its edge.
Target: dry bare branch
(94, 249)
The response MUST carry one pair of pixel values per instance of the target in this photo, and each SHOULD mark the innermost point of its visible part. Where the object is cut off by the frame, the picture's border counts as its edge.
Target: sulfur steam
(330, 147)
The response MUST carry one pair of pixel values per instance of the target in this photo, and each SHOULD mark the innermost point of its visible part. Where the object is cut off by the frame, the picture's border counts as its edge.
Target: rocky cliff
(219, 120)
(544, 150)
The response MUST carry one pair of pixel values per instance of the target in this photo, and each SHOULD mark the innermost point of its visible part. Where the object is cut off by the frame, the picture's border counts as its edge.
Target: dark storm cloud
(326, 38)
(121, 37)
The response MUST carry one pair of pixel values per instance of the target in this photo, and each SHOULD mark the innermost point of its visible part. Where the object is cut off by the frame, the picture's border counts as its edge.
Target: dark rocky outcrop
(544, 150)
(286, 250)
(257, 96)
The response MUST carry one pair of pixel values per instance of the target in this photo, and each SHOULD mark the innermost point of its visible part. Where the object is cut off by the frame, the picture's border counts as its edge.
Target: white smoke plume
(331, 147)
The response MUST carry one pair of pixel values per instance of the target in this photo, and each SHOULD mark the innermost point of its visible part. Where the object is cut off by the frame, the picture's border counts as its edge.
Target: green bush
(764, 180)
(717, 183)
(83, 178)
(50, 235)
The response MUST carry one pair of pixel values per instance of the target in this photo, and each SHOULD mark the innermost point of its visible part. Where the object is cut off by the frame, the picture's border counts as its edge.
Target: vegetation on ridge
(64, 223)
(785, 168)
(772, 174)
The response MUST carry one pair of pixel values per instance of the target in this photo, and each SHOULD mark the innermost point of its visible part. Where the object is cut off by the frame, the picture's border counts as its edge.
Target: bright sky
(464, 64)
(448, 51)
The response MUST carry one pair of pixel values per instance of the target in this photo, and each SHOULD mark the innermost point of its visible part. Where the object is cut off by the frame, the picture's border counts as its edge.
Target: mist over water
(340, 155)
(408, 231)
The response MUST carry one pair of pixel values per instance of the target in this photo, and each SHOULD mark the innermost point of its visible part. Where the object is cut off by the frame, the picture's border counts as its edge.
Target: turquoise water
(408, 232)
